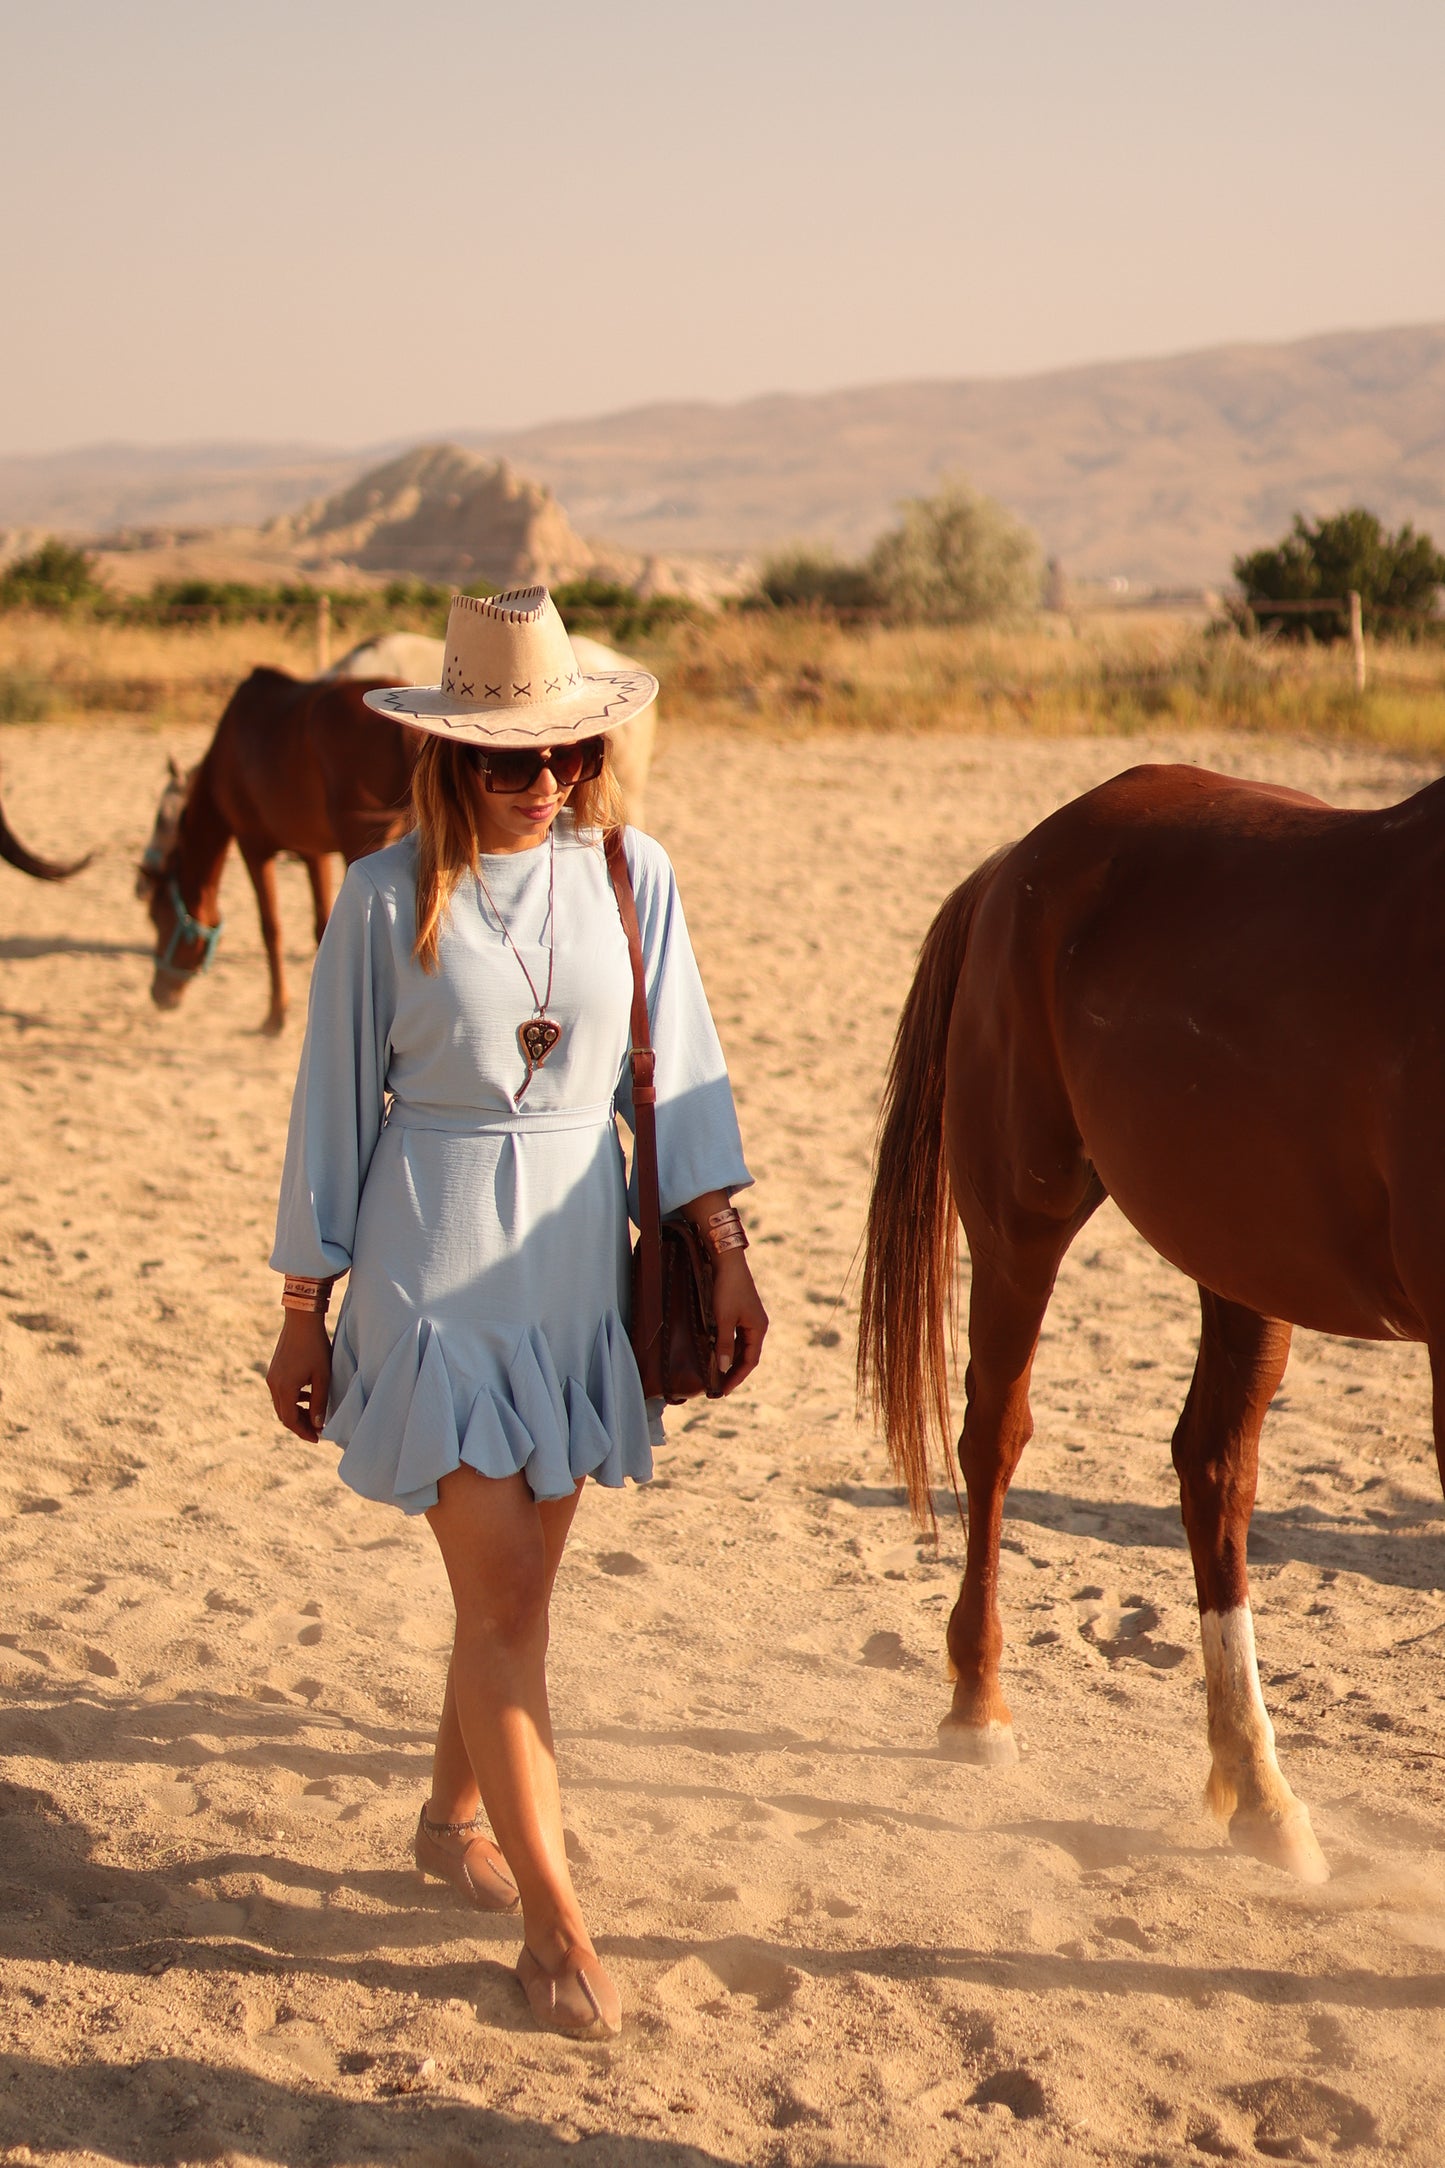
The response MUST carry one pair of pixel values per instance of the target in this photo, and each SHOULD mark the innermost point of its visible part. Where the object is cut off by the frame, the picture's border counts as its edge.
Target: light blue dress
(485, 1316)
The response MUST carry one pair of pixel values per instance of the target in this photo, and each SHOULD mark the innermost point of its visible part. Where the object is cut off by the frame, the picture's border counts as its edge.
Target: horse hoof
(1287, 1842)
(986, 1746)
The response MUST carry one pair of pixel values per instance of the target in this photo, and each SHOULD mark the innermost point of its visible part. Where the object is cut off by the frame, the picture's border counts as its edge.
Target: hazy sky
(345, 223)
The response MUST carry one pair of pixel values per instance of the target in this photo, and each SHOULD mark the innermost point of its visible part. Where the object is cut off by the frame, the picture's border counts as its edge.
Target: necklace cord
(540, 1004)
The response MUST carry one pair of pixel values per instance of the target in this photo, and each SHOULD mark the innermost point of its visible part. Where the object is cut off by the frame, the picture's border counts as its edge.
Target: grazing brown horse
(1223, 1005)
(14, 853)
(295, 765)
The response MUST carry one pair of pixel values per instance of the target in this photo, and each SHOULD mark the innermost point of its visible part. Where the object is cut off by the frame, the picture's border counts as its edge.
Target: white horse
(413, 658)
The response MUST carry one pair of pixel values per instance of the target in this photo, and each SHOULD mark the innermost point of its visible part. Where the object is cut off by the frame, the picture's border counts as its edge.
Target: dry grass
(73, 668)
(1105, 673)
(1109, 673)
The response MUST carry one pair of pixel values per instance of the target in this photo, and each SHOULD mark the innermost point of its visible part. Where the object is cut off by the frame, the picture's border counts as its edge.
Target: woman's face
(518, 820)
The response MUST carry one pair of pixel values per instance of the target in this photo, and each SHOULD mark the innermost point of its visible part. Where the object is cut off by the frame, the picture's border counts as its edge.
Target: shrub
(604, 606)
(55, 578)
(804, 579)
(956, 559)
(24, 698)
(238, 602)
(1397, 577)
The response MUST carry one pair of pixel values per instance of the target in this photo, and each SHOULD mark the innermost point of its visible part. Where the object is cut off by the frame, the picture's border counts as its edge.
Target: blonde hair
(445, 791)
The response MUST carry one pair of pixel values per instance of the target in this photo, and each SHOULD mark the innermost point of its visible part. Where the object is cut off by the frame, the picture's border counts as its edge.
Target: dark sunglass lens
(594, 752)
(566, 765)
(510, 772)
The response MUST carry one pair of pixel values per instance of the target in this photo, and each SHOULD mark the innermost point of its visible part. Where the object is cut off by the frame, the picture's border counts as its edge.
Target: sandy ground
(218, 1670)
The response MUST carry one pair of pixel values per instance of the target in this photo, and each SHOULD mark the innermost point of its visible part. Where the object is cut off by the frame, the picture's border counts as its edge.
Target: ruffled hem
(528, 1420)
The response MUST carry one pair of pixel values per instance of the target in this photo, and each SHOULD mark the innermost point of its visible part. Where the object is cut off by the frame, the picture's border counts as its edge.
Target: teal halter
(187, 928)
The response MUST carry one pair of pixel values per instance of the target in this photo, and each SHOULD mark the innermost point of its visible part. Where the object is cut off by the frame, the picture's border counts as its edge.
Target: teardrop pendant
(538, 1037)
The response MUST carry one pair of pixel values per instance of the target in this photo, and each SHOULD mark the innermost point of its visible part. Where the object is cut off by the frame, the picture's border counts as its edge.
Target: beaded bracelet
(723, 1231)
(312, 1296)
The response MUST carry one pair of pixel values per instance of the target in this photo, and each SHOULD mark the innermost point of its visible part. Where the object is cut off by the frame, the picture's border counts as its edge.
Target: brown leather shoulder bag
(674, 1329)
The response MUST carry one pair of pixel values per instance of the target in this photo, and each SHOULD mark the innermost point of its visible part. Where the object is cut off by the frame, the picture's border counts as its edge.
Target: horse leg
(318, 873)
(1241, 1360)
(261, 865)
(1011, 1290)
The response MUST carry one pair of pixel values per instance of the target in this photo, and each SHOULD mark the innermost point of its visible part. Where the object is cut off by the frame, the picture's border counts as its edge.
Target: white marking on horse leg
(988, 1746)
(1246, 1787)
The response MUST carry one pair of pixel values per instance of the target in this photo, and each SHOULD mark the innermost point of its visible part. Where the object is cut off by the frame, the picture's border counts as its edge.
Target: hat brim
(606, 700)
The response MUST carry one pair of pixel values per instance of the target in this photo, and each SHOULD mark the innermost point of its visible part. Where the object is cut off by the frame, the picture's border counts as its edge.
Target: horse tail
(909, 1302)
(13, 851)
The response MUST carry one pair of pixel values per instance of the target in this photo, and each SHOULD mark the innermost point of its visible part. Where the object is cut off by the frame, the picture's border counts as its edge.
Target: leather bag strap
(647, 1325)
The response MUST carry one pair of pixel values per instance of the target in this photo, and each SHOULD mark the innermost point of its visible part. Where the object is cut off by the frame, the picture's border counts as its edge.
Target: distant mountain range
(1156, 471)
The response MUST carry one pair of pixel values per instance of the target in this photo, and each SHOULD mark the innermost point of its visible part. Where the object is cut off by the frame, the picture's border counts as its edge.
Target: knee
(508, 1609)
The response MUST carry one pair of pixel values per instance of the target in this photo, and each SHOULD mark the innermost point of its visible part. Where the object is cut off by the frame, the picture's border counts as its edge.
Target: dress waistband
(482, 1122)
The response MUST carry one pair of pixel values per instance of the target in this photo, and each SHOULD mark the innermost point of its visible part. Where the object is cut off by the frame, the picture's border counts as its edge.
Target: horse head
(184, 946)
(165, 828)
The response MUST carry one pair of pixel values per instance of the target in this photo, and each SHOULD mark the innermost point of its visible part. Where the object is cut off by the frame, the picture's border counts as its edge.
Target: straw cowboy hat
(510, 678)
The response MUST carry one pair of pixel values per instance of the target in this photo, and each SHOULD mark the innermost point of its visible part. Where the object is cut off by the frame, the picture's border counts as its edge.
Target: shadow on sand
(1397, 1549)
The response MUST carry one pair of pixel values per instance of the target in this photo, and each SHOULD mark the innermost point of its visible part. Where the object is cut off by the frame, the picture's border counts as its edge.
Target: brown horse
(14, 853)
(295, 765)
(1220, 1004)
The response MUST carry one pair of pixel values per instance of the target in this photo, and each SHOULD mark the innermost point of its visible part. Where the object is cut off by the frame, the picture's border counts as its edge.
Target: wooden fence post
(1357, 638)
(323, 633)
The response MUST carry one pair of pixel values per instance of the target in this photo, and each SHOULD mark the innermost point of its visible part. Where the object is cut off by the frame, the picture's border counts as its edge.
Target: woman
(453, 1148)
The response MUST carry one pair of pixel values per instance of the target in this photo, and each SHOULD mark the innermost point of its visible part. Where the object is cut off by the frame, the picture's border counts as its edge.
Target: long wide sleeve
(698, 1144)
(339, 1102)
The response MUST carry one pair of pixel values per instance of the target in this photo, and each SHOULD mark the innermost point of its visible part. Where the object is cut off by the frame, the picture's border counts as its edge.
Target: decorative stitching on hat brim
(606, 702)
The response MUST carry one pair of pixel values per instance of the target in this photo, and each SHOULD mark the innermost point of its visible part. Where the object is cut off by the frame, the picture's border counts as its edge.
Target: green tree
(809, 579)
(956, 559)
(55, 578)
(1397, 576)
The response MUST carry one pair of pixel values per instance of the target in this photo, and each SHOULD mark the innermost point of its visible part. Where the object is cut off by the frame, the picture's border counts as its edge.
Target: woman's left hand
(742, 1322)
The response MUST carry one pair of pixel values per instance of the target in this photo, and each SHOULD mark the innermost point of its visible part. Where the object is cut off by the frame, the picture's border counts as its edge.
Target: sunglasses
(512, 770)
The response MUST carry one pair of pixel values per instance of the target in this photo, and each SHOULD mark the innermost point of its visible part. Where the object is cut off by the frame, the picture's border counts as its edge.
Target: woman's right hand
(300, 1374)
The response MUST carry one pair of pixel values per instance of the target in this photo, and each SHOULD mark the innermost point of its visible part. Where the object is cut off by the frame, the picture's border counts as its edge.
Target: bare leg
(1241, 1360)
(262, 868)
(318, 873)
(1011, 1291)
(501, 1564)
(455, 1792)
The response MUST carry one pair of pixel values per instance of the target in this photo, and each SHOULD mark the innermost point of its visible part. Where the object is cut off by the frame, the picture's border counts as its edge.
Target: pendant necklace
(539, 1035)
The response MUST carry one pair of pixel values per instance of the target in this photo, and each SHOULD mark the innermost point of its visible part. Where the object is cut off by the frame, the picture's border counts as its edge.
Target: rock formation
(439, 513)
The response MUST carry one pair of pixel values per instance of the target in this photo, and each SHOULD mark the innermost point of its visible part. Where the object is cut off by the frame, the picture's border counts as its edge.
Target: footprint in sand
(884, 1651)
(1299, 2119)
(284, 1628)
(1017, 2090)
(304, 2046)
(744, 1969)
(218, 1600)
(1121, 1928)
(620, 1563)
(174, 1797)
(793, 2104)
(323, 1798)
(1125, 1629)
